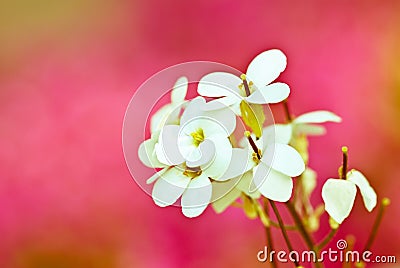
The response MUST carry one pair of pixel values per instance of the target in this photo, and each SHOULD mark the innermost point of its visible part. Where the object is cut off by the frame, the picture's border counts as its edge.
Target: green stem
(327, 239)
(270, 242)
(385, 202)
(283, 230)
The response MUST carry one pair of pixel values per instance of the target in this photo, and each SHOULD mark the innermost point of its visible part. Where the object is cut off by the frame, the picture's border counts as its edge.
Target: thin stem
(327, 239)
(287, 111)
(385, 202)
(302, 229)
(345, 161)
(283, 230)
(245, 84)
(268, 234)
(252, 144)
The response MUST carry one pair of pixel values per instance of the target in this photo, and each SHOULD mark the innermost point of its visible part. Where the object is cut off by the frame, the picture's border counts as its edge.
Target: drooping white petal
(167, 150)
(197, 196)
(166, 115)
(284, 158)
(169, 187)
(272, 93)
(240, 163)
(272, 184)
(207, 153)
(223, 154)
(317, 117)
(277, 133)
(266, 67)
(338, 196)
(147, 153)
(219, 84)
(179, 90)
(223, 194)
(367, 192)
(309, 129)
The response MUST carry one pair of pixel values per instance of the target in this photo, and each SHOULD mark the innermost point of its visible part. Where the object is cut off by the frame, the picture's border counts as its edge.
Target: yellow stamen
(198, 137)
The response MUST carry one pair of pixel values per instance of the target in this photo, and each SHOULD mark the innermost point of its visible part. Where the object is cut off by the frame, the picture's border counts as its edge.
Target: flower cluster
(201, 157)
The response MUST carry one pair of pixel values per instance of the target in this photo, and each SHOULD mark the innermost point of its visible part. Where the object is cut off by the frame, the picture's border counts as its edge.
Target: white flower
(278, 163)
(254, 87)
(190, 154)
(169, 113)
(339, 195)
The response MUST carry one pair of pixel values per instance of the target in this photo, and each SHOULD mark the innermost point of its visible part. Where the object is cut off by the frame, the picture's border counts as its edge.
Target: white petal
(367, 192)
(156, 175)
(167, 150)
(277, 133)
(309, 129)
(223, 153)
(169, 187)
(196, 197)
(224, 194)
(284, 158)
(219, 84)
(222, 103)
(226, 118)
(273, 93)
(166, 115)
(207, 153)
(272, 184)
(266, 67)
(317, 117)
(240, 163)
(147, 153)
(338, 196)
(193, 109)
(179, 90)
(309, 181)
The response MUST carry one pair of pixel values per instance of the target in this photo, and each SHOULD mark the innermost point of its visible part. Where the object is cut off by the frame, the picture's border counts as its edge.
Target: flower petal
(246, 185)
(367, 192)
(284, 158)
(167, 150)
(272, 93)
(147, 152)
(277, 133)
(179, 90)
(266, 67)
(240, 163)
(317, 117)
(193, 109)
(226, 118)
(156, 175)
(207, 153)
(309, 129)
(309, 181)
(223, 154)
(169, 187)
(221, 103)
(224, 194)
(338, 196)
(272, 184)
(219, 84)
(196, 197)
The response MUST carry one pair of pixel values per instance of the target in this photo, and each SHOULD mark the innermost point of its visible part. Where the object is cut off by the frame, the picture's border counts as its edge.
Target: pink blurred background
(69, 68)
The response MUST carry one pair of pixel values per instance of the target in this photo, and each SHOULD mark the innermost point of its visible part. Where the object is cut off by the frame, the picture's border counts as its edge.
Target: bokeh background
(69, 68)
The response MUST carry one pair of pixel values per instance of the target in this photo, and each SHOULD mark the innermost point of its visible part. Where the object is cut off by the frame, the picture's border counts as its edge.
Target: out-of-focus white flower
(254, 87)
(305, 124)
(339, 195)
(169, 113)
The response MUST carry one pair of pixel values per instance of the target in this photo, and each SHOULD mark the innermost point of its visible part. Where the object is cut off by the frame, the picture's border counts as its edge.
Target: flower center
(198, 137)
(246, 88)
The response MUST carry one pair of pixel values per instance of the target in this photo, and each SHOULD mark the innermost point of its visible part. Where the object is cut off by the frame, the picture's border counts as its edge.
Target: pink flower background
(69, 68)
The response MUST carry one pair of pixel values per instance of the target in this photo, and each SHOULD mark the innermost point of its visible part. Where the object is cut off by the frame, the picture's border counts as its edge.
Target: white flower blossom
(254, 87)
(339, 195)
(169, 113)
